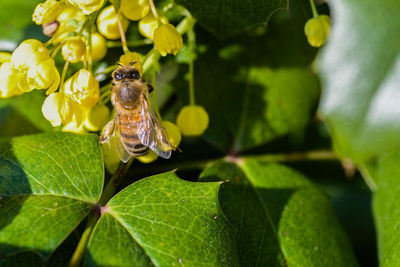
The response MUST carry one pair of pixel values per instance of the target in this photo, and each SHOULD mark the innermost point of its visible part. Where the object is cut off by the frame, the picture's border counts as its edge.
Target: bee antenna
(130, 64)
(119, 64)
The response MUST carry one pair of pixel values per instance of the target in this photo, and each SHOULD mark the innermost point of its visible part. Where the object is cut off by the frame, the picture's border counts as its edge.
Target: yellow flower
(73, 127)
(192, 120)
(4, 57)
(317, 30)
(107, 23)
(128, 58)
(97, 117)
(74, 49)
(59, 108)
(173, 132)
(87, 6)
(8, 81)
(167, 39)
(30, 52)
(149, 23)
(83, 88)
(44, 76)
(99, 48)
(148, 158)
(46, 12)
(68, 14)
(135, 9)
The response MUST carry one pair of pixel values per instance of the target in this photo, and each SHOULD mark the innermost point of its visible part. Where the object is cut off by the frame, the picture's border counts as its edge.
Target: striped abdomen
(128, 130)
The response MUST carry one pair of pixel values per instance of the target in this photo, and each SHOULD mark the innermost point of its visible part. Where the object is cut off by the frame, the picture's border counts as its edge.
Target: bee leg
(108, 130)
(150, 87)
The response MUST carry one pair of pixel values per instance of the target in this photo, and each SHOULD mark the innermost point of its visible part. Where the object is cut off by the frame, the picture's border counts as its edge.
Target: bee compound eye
(135, 75)
(119, 75)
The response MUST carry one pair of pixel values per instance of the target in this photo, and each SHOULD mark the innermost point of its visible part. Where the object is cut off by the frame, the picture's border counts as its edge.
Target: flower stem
(57, 49)
(366, 175)
(81, 248)
(107, 70)
(122, 33)
(64, 72)
(135, 43)
(89, 53)
(192, 48)
(114, 182)
(151, 59)
(314, 9)
(317, 155)
(153, 9)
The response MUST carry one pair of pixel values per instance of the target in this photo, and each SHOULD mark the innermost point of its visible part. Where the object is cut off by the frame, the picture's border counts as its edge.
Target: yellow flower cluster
(74, 47)
(29, 67)
(76, 102)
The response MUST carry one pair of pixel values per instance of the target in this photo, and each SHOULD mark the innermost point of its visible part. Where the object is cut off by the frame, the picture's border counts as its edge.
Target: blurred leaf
(256, 87)
(282, 218)
(165, 221)
(48, 184)
(387, 208)
(16, 23)
(22, 115)
(361, 77)
(228, 17)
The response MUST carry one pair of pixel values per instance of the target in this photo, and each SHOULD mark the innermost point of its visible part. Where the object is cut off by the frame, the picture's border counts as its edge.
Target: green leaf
(282, 218)
(165, 221)
(48, 184)
(360, 78)
(228, 17)
(386, 206)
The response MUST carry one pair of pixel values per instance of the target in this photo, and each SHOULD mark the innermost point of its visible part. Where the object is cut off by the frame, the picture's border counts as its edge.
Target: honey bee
(135, 126)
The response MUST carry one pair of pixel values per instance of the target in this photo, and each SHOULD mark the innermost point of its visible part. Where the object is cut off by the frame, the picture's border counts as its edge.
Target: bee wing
(152, 134)
(122, 153)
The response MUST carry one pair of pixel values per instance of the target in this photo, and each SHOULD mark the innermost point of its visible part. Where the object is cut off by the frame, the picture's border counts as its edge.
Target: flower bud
(99, 48)
(59, 108)
(107, 23)
(46, 12)
(87, 6)
(49, 29)
(192, 120)
(317, 30)
(83, 88)
(167, 39)
(74, 49)
(44, 76)
(8, 81)
(173, 132)
(30, 52)
(148, 158)
(97, 117)
(134, 9)
(130, 57)
(111, 159)
(149, 23)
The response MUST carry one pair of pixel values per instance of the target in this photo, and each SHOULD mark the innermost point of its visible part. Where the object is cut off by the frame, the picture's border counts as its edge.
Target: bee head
(128, 72)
